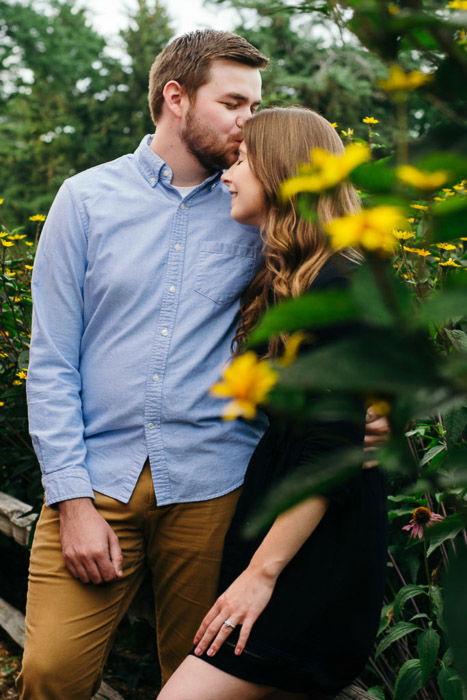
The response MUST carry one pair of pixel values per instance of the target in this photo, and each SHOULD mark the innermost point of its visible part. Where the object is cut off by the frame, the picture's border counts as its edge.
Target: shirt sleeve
(54, 383)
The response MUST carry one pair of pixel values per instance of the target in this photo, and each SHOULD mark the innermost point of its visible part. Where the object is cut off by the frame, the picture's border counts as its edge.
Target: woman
(300, 603)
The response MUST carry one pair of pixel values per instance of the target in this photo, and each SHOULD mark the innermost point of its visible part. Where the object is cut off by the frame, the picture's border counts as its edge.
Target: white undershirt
(185, 191)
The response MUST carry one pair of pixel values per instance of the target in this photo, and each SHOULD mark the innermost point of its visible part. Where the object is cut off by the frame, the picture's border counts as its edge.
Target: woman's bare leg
(196, 679)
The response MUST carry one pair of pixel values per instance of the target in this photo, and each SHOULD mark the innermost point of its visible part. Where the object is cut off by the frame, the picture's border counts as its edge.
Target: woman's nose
(225, 177)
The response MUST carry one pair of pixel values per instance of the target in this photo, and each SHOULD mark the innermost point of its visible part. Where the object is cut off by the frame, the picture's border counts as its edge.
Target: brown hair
(188, 59)
(295, 249)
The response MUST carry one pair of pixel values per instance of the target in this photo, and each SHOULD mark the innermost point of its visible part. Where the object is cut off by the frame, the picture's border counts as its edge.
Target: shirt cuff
(67, 483)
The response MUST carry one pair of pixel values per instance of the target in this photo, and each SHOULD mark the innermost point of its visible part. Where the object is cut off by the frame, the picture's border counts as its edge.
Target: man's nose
(243, 116)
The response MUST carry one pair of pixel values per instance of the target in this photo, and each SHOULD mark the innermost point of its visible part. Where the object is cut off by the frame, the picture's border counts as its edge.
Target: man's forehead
(231, 78)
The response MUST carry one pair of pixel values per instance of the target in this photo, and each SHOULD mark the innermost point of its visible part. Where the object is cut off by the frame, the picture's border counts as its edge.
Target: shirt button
(166, 172)
(172, 289)
(155, 377)
(182, 206)
(164, 332)
(150, 426)
(177, 246)
(152, 181)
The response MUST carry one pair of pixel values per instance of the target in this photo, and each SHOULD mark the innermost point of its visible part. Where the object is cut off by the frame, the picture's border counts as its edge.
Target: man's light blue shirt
(136, 294)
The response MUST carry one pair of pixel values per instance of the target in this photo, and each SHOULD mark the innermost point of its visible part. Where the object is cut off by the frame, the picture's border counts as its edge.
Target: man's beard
(205, 145)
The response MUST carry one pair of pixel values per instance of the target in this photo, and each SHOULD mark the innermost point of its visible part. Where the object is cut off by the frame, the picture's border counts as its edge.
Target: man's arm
(54, 390)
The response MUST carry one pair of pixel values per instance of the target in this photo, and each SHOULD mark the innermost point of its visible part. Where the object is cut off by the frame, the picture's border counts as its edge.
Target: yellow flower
(3, 234)
(418, 251)
(325, 170)
(448, 192)
(247, 381)
(334, 125)
(2, 403)
(445, 246)
(292, 346)
(10, 273)
(411, 220)
(370, 120)
(37, 217)
(17, 237)
(7, 244)
(1, 200)
(393, 9)
(421, 180)
(463, 238)
(381, 407)
(403, 235)
(22, 374)
(348, 132)
(457, 5)
(16, 382)
(399, 81)
(372, 229)
(450, 263)
(17, 299)
(459, 188)
(438, 199)
(421, 207)
(28, 267)
(29, 243)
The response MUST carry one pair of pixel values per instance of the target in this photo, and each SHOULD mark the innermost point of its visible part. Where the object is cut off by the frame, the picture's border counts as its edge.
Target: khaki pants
(70, 625)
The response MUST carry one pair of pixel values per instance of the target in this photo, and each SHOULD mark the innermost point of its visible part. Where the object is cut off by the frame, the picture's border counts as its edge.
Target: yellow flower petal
(372, 229)
(370, 120)
(400, 81)
(37, 217)
(292, 347)
(421, 180)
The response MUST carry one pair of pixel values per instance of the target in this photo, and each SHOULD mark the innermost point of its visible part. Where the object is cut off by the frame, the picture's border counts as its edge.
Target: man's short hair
(188, 59)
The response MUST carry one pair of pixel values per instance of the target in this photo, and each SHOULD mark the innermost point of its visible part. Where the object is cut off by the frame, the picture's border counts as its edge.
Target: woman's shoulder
(336, 272)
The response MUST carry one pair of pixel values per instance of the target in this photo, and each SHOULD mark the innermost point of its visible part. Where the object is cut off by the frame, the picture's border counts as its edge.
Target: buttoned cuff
(67, 483)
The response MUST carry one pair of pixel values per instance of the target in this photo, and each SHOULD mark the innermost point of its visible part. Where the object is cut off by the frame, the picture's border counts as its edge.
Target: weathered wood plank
(12, 622)
(16, 518)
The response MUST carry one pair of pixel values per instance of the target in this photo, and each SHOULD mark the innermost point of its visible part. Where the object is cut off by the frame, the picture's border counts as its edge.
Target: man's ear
(174, 97)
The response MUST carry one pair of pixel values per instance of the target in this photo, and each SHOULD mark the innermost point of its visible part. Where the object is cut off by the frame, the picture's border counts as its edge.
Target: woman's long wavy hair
(277, 141)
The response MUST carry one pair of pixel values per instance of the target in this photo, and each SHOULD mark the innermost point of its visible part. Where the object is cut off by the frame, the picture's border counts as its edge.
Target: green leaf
(428, 645)
(374, 177)
(368, 363)
(376, 691)
(448, 219)
(449, 684)
(372, 301)
(455, 610)
(455, 422)
(458, 338)
(432, 452)
(407, 593)
(401, 629)
(437, 603)
(445, 305)
(310, 310)
(409, 680)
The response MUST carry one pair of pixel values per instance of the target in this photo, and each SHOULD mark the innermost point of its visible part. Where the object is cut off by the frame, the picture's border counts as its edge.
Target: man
(136, 288)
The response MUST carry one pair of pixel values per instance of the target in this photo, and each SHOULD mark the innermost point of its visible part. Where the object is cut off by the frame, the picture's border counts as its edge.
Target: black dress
(318, 629)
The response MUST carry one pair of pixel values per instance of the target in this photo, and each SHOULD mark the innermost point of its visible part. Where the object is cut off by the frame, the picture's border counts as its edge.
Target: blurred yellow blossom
(292, 346)
(325, 170)
(22, 374)
(400, 81)
(1, 200)
(445, 246)
(418, 251)
(334, 125)
(411, 220)
(28, 267)
(247, 381)
(450, 263)
(393, 9)
(347, 132)
(37, 217)
(17, 237)
(370, 120)
(448, 192)
(372, 229)
(403, 235)
(28, 243)
(421, 207)
(2, 403)
(7, 244)
(16, 382)
(457, 5)
(421, 180)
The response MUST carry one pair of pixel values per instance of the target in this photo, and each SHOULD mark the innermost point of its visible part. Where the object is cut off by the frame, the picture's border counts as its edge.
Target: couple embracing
(150, 271)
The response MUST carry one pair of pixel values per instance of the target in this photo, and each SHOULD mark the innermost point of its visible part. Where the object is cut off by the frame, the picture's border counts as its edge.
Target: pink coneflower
(421, 517)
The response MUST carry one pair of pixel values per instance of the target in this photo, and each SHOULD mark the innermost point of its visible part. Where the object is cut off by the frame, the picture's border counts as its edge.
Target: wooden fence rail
(16, 521)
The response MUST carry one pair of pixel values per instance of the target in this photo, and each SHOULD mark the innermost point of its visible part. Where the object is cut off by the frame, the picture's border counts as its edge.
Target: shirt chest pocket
(224, 270)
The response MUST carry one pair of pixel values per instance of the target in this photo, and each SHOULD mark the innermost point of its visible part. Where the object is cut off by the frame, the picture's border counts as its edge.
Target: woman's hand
(241, 604)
